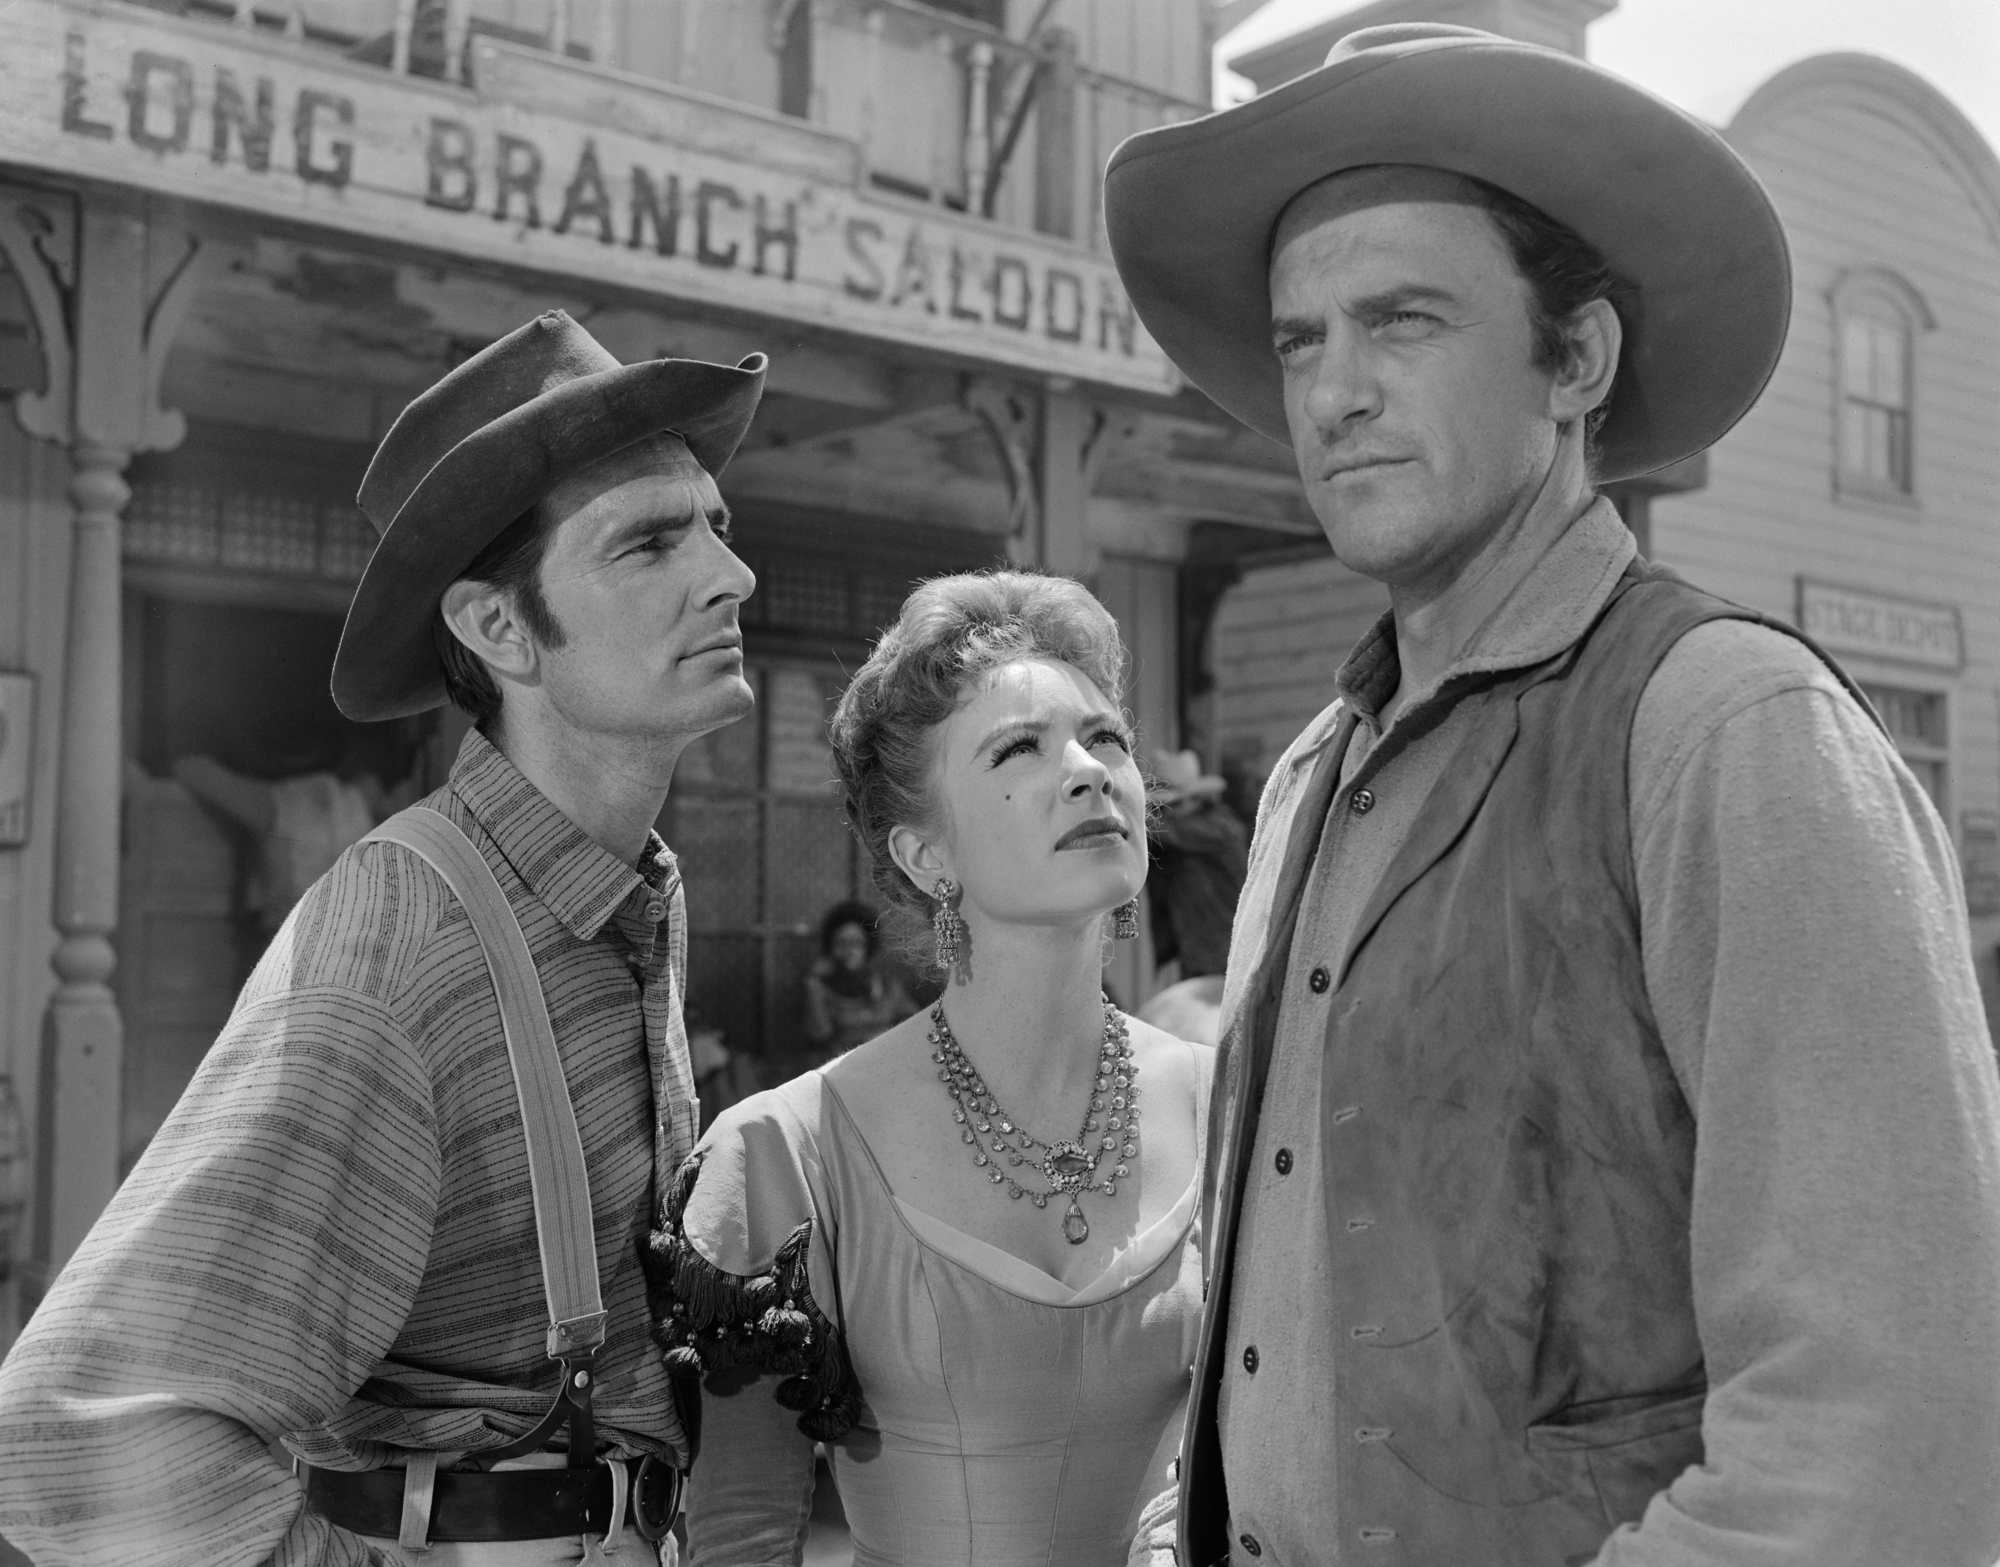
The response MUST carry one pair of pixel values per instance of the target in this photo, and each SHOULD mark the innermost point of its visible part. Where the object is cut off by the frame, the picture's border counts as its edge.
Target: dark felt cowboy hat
(1679, 217)
(481, 447)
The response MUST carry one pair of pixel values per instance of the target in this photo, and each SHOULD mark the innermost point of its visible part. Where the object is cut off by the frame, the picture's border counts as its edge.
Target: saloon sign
(514, 172)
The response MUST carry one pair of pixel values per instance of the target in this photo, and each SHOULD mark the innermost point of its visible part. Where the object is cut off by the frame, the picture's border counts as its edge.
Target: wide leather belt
(507, 1504)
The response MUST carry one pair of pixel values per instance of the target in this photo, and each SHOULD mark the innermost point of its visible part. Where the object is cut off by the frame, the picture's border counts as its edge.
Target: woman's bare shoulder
(877, 1070)
(1168, 1062)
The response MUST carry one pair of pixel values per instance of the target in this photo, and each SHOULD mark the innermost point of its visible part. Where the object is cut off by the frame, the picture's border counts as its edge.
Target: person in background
(962, 1254)
(298, 823)
(311, 1329)
(1200, 850)
(848, 995)
(1607, 1160)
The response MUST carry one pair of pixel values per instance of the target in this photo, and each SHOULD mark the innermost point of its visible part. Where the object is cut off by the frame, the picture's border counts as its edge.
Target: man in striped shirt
(330, 1246)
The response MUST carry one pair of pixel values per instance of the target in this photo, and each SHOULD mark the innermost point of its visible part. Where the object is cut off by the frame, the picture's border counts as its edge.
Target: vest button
(1250, 1359)
(1249, 1543)
(1361, 802)
(1319, 979)
(1283, 1161)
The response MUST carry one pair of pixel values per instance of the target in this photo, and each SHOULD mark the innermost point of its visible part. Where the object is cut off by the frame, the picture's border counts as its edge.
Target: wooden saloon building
(239, 235)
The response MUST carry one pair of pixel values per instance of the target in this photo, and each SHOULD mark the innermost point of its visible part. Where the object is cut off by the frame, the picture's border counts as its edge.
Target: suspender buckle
(577, 1338)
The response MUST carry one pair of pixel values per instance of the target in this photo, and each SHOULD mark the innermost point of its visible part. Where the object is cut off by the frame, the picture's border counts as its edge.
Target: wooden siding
(721, 47)
(1158, 42)
(1279, 636)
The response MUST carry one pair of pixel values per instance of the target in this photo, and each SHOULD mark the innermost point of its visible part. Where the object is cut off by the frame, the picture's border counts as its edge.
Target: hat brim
(1190, 210)
(387, 664)
(1206, 787)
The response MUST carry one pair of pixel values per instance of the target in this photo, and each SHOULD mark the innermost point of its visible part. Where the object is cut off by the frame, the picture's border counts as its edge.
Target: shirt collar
(1548, 611)
(582, 883)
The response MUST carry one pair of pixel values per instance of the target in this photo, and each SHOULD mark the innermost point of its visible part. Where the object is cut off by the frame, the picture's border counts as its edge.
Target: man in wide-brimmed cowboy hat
(333, 1241)
(1607, 1162)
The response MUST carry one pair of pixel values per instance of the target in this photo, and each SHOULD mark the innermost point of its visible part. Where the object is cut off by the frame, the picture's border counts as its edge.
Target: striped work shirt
(331, 1241)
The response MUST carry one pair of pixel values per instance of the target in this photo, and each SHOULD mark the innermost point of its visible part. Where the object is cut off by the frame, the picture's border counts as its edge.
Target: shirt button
(1361, 802)
(1319, 979)
(1250, 1359)
(1249, 1543)
(1283, 1161)
(656, 911)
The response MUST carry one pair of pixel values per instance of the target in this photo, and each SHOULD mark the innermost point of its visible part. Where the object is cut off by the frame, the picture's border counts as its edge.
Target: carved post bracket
(163, 428)
(1052, 449)
(38, 239)
(1112, 432)
(1008, 414)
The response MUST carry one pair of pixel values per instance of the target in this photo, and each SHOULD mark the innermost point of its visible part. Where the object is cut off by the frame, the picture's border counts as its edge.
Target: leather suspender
(556, 1170)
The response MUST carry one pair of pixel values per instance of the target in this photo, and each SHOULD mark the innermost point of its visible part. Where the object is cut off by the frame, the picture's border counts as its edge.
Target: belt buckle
(656, 1497)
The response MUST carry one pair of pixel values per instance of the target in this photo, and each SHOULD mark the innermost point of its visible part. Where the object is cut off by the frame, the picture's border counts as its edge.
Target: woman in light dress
(963, 1255)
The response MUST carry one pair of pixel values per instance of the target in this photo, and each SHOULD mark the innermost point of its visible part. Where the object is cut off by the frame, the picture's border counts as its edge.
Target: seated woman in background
(963, 1254)
(849, 995)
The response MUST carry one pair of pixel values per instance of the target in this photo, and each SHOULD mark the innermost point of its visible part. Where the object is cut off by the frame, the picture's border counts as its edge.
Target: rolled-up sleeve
(1807, 954)
(248, 1276)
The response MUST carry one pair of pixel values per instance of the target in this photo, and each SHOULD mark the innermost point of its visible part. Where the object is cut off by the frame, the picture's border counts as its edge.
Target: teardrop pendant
(1076, 1228)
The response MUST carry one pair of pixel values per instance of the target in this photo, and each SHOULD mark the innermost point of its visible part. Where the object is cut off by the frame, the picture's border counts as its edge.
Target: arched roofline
(1856, 282)
(1928, 113)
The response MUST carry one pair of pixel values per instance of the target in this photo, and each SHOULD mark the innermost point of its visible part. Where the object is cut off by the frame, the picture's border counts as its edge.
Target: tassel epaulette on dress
(708, 1320)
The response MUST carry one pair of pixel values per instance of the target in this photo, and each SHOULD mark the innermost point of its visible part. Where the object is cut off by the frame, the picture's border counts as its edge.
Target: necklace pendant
(1076, 1228)
(1068, 1166)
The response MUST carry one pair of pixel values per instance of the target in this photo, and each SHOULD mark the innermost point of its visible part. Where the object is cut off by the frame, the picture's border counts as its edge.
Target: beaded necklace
(1069, 1165)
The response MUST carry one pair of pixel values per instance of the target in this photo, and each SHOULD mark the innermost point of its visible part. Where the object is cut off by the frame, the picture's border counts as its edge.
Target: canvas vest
(1518, 1369)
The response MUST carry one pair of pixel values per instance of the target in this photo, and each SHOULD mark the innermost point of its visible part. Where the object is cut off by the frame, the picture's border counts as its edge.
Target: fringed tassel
(707, 1320)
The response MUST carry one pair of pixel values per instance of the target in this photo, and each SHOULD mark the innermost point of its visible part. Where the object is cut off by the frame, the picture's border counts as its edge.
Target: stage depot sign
(1852, 620)
(513, 173)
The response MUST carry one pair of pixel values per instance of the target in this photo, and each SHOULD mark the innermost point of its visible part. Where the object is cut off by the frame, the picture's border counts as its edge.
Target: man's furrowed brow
(1283, 327)
(1386, 301)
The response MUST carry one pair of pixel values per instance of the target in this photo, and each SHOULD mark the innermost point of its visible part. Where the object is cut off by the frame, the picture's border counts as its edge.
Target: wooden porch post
(108, 293)
(1056, 115)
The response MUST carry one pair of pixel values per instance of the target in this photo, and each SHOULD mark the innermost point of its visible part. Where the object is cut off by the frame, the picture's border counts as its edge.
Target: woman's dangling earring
(1125, 920)
(948, 927)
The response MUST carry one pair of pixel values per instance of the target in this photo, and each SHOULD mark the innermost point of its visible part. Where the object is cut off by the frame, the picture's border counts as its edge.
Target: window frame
(1880, 297)
(1918, 752)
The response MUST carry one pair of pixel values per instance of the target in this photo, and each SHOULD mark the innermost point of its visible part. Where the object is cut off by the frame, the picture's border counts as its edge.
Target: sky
(1710, 55)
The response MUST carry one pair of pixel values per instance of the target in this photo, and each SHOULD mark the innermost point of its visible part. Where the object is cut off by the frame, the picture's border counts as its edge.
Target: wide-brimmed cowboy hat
(1679, 217)
(1177, 775)
(481, 447)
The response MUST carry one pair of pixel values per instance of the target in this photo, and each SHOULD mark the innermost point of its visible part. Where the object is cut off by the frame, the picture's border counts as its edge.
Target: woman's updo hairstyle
(951, 631)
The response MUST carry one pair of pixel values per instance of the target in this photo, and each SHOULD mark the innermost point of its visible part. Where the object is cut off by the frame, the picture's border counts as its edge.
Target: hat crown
(1177, 769)
(1178, 775)
(532, 360)
(1394, 35)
